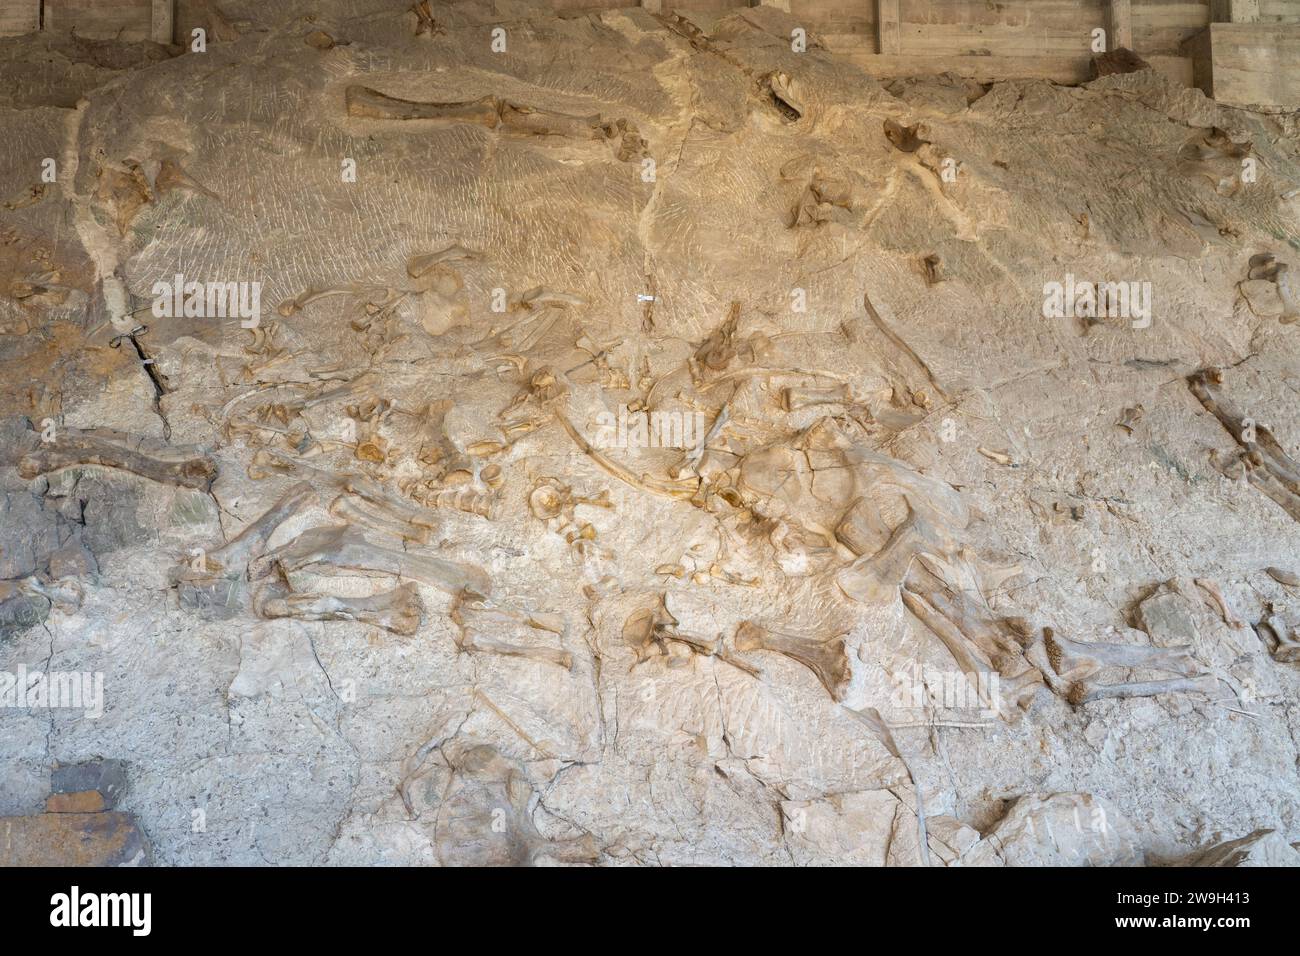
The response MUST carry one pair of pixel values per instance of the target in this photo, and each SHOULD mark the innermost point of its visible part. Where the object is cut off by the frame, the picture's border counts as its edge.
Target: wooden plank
(162, 27)
(101, 19)
(1119, 32)
(1160, 27)
(888, 38)
(1282, 11)
(19, 16)
(1234, 11)
(1256, 64)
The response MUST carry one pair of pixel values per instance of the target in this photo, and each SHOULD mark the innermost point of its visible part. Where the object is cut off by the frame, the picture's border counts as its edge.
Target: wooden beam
(889, 39)
(1234, 11)
(1119, 31)
(19, 16)
(163, 24)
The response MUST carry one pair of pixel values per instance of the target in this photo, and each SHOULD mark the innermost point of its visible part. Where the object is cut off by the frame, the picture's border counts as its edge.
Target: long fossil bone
(251, 542)
(1074, 660)
(1083, 692)
(173, 465)
(344, 546)
(399, 609)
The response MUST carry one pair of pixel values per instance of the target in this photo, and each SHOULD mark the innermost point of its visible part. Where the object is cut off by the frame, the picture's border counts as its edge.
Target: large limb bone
(825, 658)
(344, 546)
(399, 610)
(251, 542)
(267, 461)
(1084, 692)
(979, 642)
(1074, 660)
(173, 465)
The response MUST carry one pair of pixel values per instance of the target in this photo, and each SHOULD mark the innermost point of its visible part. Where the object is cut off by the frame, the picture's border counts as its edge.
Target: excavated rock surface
(637, 655)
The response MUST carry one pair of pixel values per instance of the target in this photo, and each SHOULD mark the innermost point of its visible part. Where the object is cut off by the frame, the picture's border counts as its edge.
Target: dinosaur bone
(344, 546)
(490, 111)
(1282, 576)
(1084, 692)
(1075, 661)
(371, 104)
(399, 610)
(173, 465)
(1280, 477)
(825, 658)
(354, 510)
(1281, 638)
(875, 578)
(978, 642)
(417, 266)
(251, 542)
(546, 655)
(649, 630)
(1220, 602)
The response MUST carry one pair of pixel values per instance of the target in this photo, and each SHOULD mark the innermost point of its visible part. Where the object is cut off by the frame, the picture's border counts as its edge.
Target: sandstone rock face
(467, 435)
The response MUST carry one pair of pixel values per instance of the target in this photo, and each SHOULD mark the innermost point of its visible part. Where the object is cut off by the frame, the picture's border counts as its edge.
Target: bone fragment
(1282, 576)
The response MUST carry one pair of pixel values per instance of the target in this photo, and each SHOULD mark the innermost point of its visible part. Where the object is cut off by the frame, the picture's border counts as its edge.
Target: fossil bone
(345, 547)
(825, 658)
(399, 609)
(1084, 692)
(174, 465)
(1220, 602)
(1075, 661)
(1282, 576)
(1266, 464)
(1281, 638)
(251, 542)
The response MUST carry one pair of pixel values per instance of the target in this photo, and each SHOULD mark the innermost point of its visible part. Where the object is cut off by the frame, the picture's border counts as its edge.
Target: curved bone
(399, 610)
(343, 546)
(251, 542)
(371, 104)
(146, 457)
(825, 658)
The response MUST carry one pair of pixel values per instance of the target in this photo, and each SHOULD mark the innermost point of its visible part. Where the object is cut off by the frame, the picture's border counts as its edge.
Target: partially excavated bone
(146, 457)
(1075, 661)
(235, 555)
(1263, 461)
(345, 547)
(1085, 692)
(825, 658)
(398, 610)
